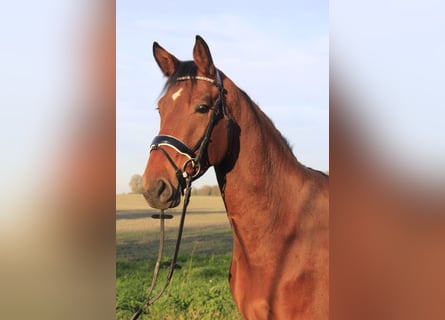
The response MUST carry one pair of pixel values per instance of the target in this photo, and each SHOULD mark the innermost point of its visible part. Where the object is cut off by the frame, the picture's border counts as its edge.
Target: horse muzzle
(161, 194)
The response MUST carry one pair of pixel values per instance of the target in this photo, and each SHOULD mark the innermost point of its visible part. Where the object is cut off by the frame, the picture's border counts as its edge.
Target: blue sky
(277, 52)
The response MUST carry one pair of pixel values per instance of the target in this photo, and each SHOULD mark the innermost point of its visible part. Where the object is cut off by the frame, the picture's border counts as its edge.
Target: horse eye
(202, 108)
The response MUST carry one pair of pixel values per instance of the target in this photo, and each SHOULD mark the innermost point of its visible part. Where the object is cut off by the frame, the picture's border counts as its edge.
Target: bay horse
(278, 208)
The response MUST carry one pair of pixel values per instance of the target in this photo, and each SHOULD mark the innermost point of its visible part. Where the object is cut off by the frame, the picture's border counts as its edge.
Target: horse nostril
(161, 191)
(164, 190)
(160, 186)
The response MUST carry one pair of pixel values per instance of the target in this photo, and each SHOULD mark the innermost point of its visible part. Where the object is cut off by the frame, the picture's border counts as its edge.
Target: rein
(150, 300)
(184, 181)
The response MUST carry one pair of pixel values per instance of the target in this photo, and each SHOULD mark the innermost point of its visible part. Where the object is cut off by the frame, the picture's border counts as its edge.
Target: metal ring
(195, 166)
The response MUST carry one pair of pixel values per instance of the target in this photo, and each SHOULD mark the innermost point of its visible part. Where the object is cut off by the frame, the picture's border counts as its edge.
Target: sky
(278, 52)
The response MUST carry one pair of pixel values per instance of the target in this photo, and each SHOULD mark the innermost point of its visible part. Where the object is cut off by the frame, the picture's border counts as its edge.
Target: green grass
(200, 289)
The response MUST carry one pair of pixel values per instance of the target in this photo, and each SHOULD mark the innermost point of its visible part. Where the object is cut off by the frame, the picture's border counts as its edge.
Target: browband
(195, 77)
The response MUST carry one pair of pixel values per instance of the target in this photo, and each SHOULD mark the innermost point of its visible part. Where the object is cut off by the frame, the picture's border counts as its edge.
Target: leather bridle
(196, 153)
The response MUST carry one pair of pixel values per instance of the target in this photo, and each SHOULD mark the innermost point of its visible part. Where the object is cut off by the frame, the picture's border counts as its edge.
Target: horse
(278, 208)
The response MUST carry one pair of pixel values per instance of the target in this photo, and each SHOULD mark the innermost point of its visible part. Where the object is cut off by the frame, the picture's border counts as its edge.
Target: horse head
(191, 137)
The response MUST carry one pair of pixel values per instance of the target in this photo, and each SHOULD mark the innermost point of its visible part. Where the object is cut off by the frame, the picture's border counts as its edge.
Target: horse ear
(202, 57)
(166, 61)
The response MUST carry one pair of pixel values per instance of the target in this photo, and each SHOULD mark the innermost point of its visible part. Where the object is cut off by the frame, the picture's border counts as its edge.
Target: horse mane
(262, 117)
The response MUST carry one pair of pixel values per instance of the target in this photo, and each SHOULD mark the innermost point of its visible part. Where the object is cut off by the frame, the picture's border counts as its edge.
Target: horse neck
(265, 170)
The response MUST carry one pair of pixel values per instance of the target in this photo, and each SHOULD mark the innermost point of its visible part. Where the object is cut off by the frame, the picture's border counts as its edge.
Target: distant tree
(206, 191)
(216, 191)
(136, 183)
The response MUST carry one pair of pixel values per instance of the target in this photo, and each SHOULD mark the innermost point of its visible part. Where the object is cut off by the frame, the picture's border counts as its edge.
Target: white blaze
(177, 94)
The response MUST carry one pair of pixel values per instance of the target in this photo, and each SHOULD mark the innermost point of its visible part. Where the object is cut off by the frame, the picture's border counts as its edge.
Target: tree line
(136, 187)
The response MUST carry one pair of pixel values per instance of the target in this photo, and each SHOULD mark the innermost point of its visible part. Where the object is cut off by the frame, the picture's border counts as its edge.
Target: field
(200, 289)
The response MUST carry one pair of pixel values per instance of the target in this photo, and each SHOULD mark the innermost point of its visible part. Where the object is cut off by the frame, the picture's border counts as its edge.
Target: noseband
(194, 159)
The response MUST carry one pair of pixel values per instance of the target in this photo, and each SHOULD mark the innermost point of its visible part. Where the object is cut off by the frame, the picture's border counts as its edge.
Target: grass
(199, 290)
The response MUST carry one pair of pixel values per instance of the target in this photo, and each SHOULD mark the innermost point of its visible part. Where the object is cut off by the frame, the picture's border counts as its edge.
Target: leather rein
(185, 179)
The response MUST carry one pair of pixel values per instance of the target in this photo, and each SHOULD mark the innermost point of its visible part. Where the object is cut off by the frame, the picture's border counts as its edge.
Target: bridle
(194, 160)
(184, 178)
